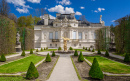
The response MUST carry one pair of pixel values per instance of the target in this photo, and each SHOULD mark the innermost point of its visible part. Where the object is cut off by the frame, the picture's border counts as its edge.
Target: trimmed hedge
(127, 58)
(107, 54)
(93, 50)
(48, 58)
(99, 52)
(75, 53)
(2, 59)
(95, 71)
(86, 48)
(53, 54)
(83, 47)
(81, 58)
(59, 48)
(36, 50)
(41, 49)
(31, 51)
(70, 48)
(89, 49)
(46, 48)
(32, 72)
(23, 53)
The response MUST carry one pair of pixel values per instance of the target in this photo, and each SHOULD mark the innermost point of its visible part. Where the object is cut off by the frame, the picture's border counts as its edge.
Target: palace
(49, 32)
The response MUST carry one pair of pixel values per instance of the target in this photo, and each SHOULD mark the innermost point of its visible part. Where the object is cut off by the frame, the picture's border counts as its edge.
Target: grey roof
(41, 22)
(96, 24)
(83, 23)
(62, 16)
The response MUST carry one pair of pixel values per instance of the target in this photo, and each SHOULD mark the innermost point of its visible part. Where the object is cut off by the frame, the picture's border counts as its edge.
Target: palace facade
(49, 32)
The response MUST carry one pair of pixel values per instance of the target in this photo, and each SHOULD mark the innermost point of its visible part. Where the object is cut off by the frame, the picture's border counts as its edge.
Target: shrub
(46, 48)
(36, 50)
(99, 52)
(3, 59)
(75, 53)
(70, 48)
(86, 48)
(107, 54)
(93, 50)
(89, 49)
(53, 54)
(48, 58)
(31, 51)
(127, 58)
(81, 58)
(23, 53)
(32, 72)
(83, 47)
(59, 48)
(41, 49)
(95, 71)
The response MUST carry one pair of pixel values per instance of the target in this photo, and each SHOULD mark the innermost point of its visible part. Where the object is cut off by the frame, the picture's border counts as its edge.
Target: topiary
(59, 48)
(36, 50)
(75, 53)
(44, 49)
(86, 48)
(31, 51)
(23, 53)
(32, 72)
(127, 58)
(95, 71)
(48, 58)
(99, 52)
(83, 47)
(3, 59)
(41, 49)
(93, 50)
(89, 49)
(70, 48)
(53, 54)
(107, 54)
(80, 58)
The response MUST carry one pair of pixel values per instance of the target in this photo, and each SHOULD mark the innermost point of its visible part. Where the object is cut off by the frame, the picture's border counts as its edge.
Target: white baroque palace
(49, 32)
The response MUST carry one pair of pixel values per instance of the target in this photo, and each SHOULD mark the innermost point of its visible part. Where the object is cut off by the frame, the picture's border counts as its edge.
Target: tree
(3, 59)
(29, 21)
(59, 48)
(95, 71)
(32, 72)
(75, 53)
(23, 53)
(36, 19)
(99, 52)
(48, 58)
(53, 54)
(70, 48)
(41, 49)
(4, 8)
(13, 17)
(89, 49)
(36, 50)
(86, 48)
(21, 22)
(93, 50)
(107, 54)
(31, 51)
(127, 58)
(39, 12)
(80, 58)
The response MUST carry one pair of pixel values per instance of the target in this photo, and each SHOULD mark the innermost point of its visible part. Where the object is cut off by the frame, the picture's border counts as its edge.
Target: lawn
(12, 79)
(49, 50)
(110, 66)
(20, 65)
(29, 50)
(80, 49)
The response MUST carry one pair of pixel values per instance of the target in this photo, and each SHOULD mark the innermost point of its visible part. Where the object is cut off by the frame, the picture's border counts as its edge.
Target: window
(55, 45)
(56, 35)
(50, 35)
(74, 34)
(50, 45)
(79, 44)
(75, 45)
(80, 35)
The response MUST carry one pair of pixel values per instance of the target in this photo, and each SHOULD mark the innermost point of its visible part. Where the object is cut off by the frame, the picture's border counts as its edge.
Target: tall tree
(13, 17)
(21, 22)
(36, 19)
(29, 21)
(4, 8)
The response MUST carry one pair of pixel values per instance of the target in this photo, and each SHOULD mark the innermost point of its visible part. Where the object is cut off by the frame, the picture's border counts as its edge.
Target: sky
(110, 10)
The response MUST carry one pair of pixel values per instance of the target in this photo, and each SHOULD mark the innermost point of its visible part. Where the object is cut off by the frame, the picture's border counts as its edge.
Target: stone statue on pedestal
(18, 44)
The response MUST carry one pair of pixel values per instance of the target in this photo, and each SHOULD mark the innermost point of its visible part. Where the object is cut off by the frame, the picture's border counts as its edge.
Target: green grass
(20, 65)
(80, 49)
(49, 50)
(107, 65)
(119, 54)
(29, 50)
(20, 78)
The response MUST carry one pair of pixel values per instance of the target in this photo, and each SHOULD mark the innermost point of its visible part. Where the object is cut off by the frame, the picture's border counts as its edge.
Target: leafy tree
(80, 58)
(107, 54)
(23, 53)
(95, 71)
(3, 59)
(31, 51)
(75, 53)
(48, 58)
(32, 72)
(53, 54)
(21, 22)
(99, 52)
(36, 19)
(13, 17)
(127, 58)
(29, 21)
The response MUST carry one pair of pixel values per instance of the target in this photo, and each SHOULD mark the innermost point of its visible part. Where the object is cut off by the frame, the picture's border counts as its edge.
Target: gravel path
(64, 70)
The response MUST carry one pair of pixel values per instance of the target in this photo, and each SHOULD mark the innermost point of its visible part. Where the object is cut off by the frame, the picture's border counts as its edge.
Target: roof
(68, 16)
(41, 22)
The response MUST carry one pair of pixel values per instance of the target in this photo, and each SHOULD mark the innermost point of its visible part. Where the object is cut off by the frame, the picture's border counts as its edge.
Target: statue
(65, 43)
(18, 44)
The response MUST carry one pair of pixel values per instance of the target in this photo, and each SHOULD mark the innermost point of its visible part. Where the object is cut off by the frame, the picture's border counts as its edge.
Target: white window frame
(50, 37)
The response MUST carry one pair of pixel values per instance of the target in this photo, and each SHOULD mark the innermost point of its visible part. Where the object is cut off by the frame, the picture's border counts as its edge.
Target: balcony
(55, 40)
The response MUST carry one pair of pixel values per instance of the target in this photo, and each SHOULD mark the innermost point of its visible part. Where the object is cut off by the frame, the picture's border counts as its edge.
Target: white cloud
(82, 7)
(78, 13)
(23, 10)
(113, 21)
(34, 1)
(93, 0)
(45, 8)
(64, 2)
(99, 10)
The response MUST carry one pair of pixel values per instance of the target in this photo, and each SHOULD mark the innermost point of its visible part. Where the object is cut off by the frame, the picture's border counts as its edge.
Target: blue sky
(110, 9)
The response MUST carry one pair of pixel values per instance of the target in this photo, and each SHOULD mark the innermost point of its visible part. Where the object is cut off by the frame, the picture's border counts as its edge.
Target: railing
(55, 40)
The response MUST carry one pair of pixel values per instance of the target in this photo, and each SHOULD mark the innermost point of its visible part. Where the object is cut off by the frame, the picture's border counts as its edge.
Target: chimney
(58, 14)
(46, 17)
